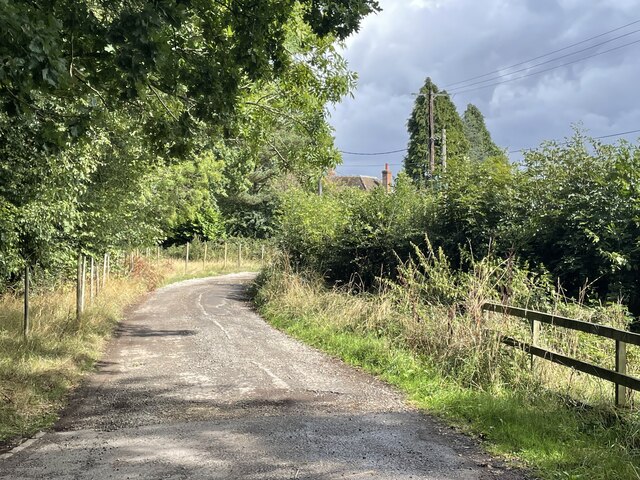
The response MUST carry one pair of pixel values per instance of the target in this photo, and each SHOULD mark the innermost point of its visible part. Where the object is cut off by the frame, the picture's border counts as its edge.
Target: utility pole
(432, 146)
(444, 149)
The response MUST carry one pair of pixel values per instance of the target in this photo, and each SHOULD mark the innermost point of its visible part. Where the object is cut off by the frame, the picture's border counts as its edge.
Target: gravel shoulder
(197, 385)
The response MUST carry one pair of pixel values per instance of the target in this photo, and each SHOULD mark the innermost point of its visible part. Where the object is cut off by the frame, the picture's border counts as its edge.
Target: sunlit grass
(36, 374)
(538, 420)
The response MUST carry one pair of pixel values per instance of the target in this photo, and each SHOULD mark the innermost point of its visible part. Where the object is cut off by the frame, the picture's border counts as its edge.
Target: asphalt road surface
(196, 385)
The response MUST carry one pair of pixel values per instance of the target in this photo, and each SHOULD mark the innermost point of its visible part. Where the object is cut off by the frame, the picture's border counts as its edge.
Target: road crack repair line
(210, 317)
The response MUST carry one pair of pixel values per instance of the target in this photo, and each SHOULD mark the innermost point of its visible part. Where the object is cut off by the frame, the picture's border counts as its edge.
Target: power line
(617, 134)
(544, 55)
(546, 69)
(545, 62)
(369, 165)
(611, 135)
(373, 153)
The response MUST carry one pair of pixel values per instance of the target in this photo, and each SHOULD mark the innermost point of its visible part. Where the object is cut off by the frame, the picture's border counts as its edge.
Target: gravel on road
(196, 385)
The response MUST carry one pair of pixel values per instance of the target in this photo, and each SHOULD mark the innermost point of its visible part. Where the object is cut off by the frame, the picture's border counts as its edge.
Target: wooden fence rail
(618, 376)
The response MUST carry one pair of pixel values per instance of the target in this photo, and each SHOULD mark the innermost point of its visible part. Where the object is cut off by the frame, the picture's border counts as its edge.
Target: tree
(481, 145)
(416, 162)
(281, 134)
(99, 99)
(192, 57)
(581, 215)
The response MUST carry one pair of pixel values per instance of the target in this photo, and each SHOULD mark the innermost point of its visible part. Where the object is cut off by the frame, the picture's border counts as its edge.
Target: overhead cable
(544, 55)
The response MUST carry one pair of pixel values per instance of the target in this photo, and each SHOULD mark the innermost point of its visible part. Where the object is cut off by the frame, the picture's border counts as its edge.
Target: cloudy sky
(453, 40)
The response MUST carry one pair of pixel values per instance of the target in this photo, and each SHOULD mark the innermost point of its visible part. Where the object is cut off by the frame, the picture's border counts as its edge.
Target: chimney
(386, 178)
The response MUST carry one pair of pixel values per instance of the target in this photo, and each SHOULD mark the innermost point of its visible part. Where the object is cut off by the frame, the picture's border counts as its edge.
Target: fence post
(92, 268)
(25, 326)
(621, 367)
(106, 277)
(186, 259)
(104, 270)
(80, 288)
(98, 284)
(84, 280)
(535, 337)
(262, 255)
(225, 254)
(204, 258)
(239, 253)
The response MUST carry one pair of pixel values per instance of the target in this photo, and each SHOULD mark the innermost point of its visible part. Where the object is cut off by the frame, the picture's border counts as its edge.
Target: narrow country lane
(196, 385)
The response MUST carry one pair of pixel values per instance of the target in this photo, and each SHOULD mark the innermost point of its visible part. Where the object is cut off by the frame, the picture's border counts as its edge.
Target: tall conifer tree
(416, 162)
(481, 145)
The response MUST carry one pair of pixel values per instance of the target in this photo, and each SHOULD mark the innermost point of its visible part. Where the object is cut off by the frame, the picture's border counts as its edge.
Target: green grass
(537, 429)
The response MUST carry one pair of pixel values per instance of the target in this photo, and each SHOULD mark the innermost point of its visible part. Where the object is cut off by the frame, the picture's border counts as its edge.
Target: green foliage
(128, 123)
(348, 233)
(480, 144)
(311, 227)
(570, 209)
(338, 16)
(475, 206)
(580, 215)
(416, 163)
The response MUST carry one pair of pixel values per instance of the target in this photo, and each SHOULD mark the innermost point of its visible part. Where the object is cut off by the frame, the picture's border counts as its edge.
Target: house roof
(358, 181)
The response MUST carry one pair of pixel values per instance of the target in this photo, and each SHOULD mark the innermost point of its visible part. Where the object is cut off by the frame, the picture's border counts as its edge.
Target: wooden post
(262, 255)
(84, 280)
(26, 320)
(97, 278)
(79, 288)
(91, 283)
(226, 249)
(106, 278)
(621, 367)
(444, 149)
(535, 337)
(432, 145)
(186, 259)
(104, 269)
(204, 258)
(239, 254)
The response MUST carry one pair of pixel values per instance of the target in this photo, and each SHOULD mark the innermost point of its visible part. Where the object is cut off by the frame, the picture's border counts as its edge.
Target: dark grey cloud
(451, 40)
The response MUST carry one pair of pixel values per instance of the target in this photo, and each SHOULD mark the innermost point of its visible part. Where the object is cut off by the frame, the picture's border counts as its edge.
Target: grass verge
(534, 426)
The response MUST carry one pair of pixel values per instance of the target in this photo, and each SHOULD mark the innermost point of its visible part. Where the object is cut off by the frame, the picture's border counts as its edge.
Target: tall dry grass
(435, 311)
(427, 335)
